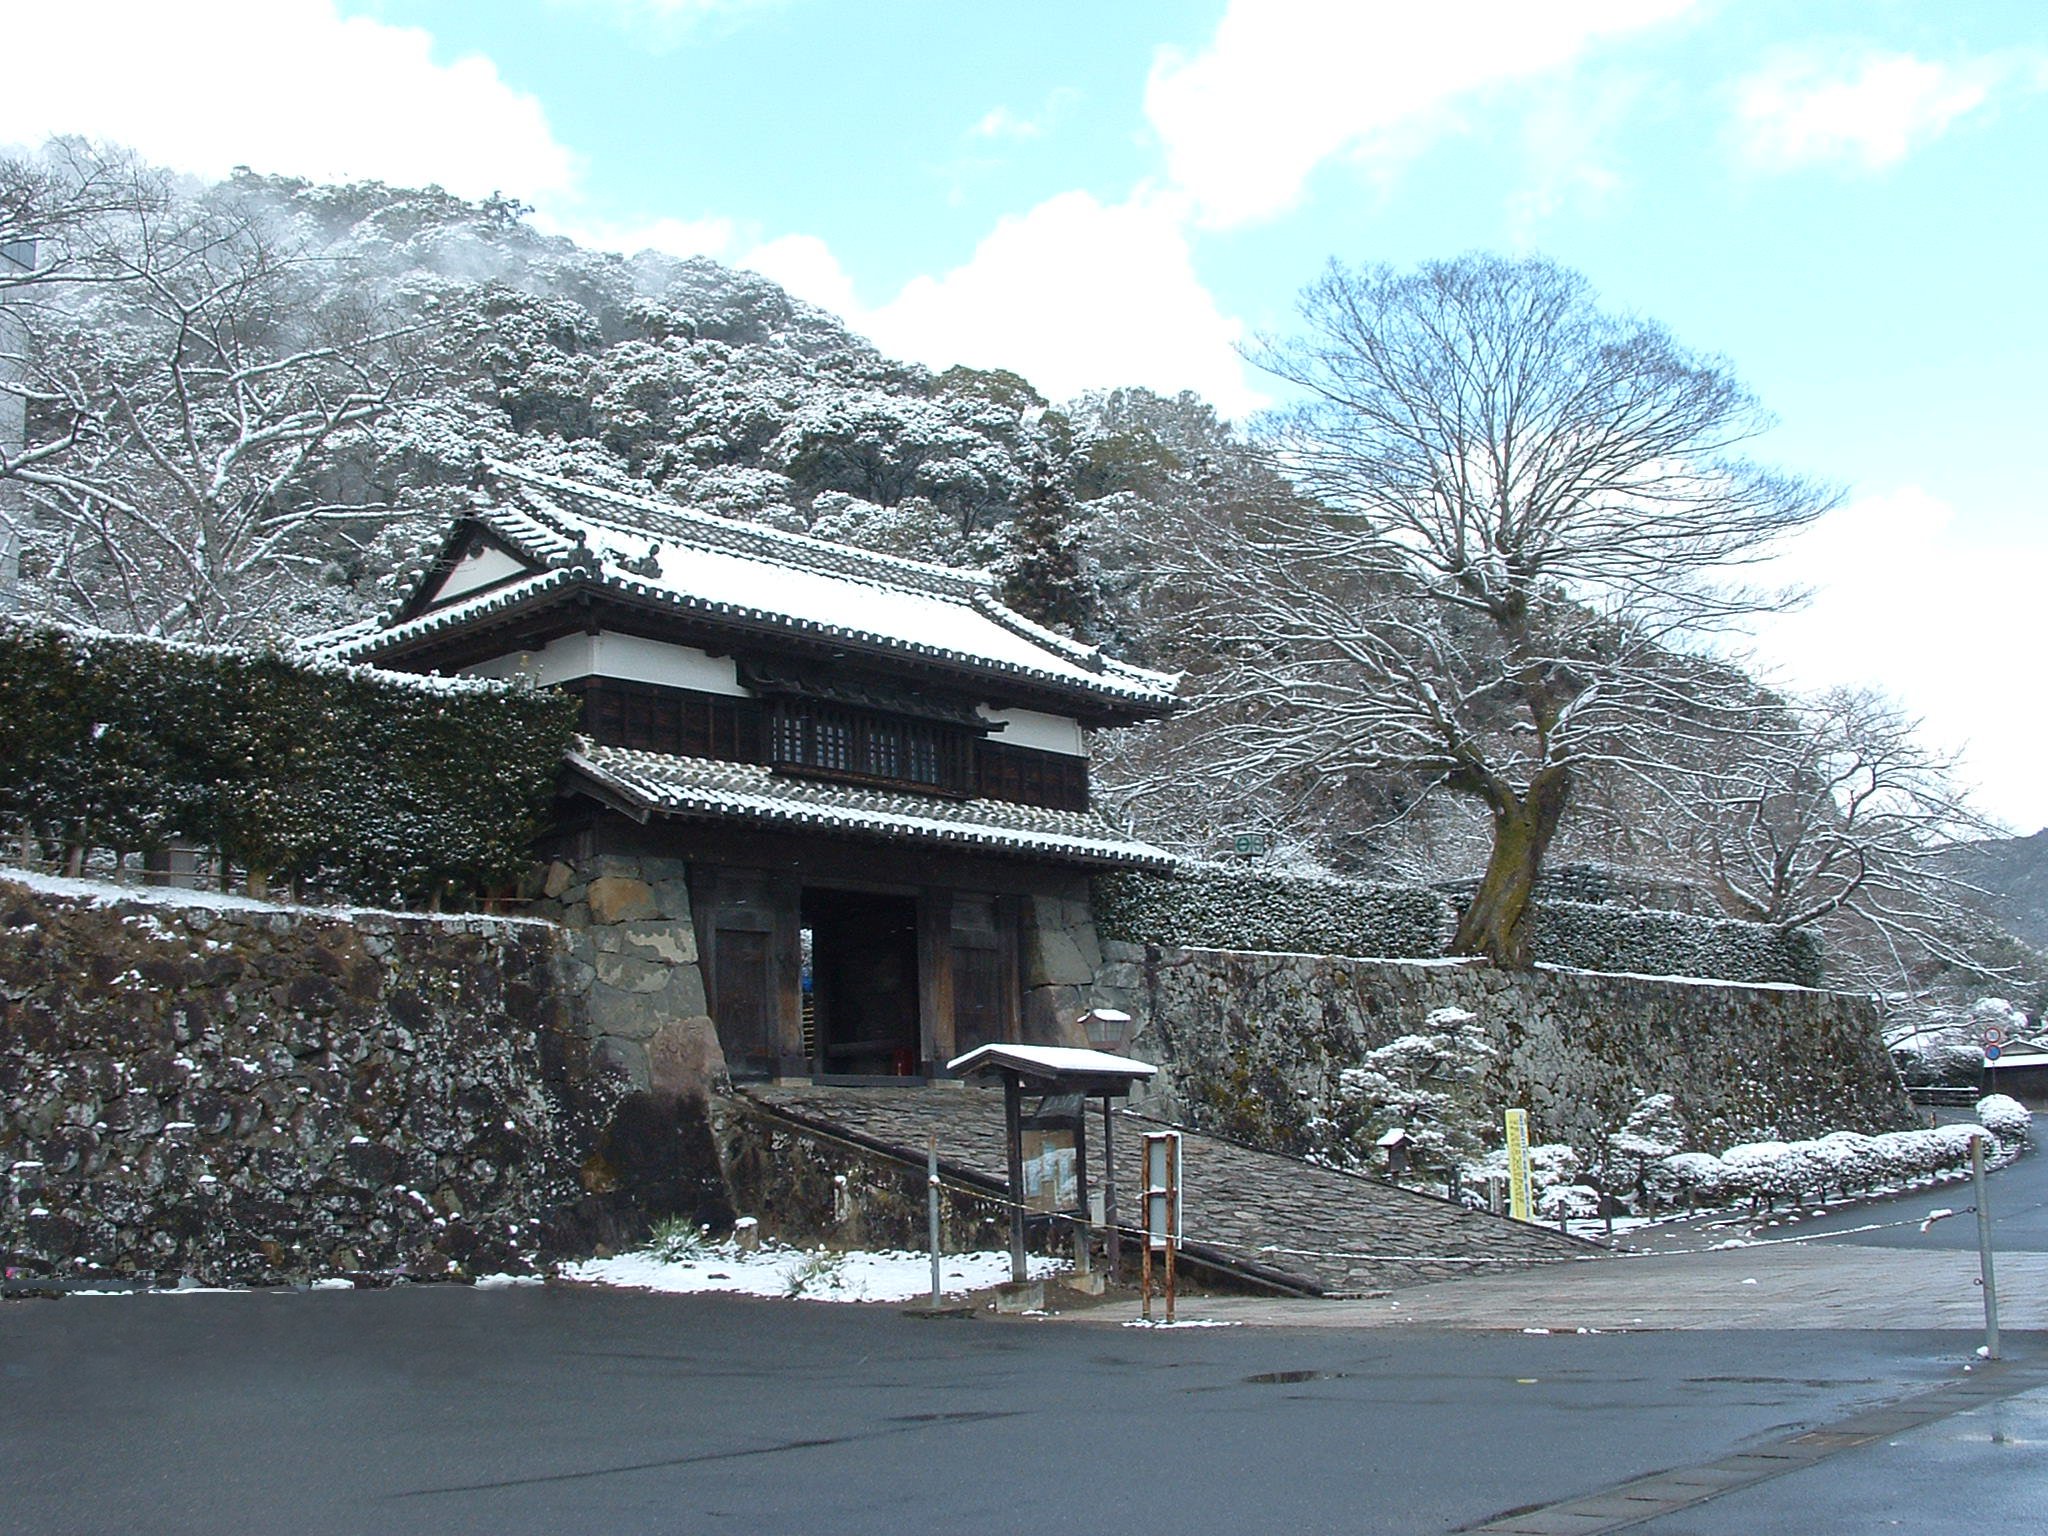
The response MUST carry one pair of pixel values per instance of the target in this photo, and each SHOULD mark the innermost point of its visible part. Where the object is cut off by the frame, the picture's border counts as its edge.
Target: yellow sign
(1518, 1164)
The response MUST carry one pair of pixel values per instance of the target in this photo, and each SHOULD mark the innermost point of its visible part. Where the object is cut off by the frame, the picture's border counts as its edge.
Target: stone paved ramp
(1286, 1224)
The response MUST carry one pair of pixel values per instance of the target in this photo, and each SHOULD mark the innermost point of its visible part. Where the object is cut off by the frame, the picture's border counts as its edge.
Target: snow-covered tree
(1520, 508)
(1424, 1083)
(187, 422)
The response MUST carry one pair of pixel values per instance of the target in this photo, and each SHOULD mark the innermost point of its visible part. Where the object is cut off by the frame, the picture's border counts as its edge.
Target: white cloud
(1076, 294)
(1805, 110)
(1287, 84)
(1940, 611)
(805, 266)
(280, 85)
(1002, 123)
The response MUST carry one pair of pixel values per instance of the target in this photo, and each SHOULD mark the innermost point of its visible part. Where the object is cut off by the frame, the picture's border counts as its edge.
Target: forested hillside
(247, 402)
(2013, 874)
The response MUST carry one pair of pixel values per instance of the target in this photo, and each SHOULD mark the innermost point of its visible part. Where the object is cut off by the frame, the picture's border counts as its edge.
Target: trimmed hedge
(372, 786)
(1218, 906)
(1583, 937)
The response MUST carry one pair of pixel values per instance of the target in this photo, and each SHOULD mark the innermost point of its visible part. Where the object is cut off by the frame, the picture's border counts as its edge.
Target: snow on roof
(655, 783)
(722, 569)
(1041, 1060)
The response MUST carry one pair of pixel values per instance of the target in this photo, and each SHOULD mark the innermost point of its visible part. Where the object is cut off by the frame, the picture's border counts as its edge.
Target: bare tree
(1519, 511)
(1834, 813)
(191, 389)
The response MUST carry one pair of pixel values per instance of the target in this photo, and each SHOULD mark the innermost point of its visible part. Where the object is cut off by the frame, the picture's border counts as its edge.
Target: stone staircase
(1270, 1222)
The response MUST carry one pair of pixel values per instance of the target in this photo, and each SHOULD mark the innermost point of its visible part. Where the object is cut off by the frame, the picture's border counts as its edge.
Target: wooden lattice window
(1026, 777)
(834, 742)
(646, 718)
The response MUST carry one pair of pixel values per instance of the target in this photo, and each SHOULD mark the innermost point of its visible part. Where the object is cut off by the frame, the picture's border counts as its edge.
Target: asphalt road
(445, 1409)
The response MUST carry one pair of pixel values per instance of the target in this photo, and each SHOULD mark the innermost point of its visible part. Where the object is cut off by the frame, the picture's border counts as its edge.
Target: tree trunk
(1496, 924)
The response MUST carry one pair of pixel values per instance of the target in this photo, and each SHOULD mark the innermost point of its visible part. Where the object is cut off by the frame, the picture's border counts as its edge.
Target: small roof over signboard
(1058, 1067)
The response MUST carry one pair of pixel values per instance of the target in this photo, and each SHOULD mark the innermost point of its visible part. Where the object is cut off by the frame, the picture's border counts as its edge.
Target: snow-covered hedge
(1768, 1171)
(369, 785)
(2004, 1117)
(1600, 938)
(1218, 906)
(1221, 906)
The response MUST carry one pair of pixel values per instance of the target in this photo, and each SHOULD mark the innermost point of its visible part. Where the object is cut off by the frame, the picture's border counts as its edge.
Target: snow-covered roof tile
(1047, 1060)
(722, 569)
(659, 784)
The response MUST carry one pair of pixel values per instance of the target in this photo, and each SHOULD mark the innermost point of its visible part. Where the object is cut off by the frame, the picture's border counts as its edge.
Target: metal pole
(1172, 1218)
(1109, 1190)
(1013, 1116)
(1987, 1274)
(931, 1206)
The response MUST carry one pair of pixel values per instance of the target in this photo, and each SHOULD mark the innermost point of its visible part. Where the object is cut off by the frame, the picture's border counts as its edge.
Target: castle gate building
(829, 812)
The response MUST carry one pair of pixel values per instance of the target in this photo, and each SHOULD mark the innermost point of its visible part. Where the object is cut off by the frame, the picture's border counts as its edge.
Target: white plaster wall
(626, 657)
(1029, 728)
(485, 568)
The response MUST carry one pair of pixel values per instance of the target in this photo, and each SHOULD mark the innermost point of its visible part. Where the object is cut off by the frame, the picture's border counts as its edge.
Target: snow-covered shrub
(1222, 906)
(1699, 1175)
(1422, 1083)
(1568, 1202)
(370, 785)
(1588, 937)
(1652, 1132)
(2004, 1117)
(1219, 906)
(1766, 1172)
(1849, 1159)
(1551, 1163)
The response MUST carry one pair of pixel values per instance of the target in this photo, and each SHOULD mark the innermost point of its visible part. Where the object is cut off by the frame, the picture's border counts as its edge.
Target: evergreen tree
(1045, 571)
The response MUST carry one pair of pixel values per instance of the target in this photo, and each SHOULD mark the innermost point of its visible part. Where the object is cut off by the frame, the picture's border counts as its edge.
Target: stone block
(618, 899)
(684, 1057)
(1060, 947)
(559, 878)
(1021, 1296)
(624, 1061)
(1051, 1016)
(684, 994)
(668, 942)
(673, 897)
(629, 974)
(625, 1015)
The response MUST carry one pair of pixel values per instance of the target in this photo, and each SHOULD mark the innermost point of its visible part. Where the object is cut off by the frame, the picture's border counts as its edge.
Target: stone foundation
(635, 986)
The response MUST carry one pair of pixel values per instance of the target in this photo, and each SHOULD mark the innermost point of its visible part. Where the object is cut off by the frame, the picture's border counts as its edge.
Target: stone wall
(1252, 1044)
(636, 990)
(235, 1092)
(805, 1185)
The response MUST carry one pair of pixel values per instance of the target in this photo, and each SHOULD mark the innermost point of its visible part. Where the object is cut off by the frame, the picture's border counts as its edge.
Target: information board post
(1162, 1211)
(1518, 1164)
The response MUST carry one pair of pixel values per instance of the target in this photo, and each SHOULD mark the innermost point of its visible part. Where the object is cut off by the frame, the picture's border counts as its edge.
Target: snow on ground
(817, 1274)
(116, 893)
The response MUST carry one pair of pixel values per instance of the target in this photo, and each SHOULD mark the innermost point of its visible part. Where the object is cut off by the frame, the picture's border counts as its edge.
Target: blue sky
(1843, 197)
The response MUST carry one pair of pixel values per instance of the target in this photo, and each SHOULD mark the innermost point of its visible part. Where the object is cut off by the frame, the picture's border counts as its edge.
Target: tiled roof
(721, 569)
(656, 784)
